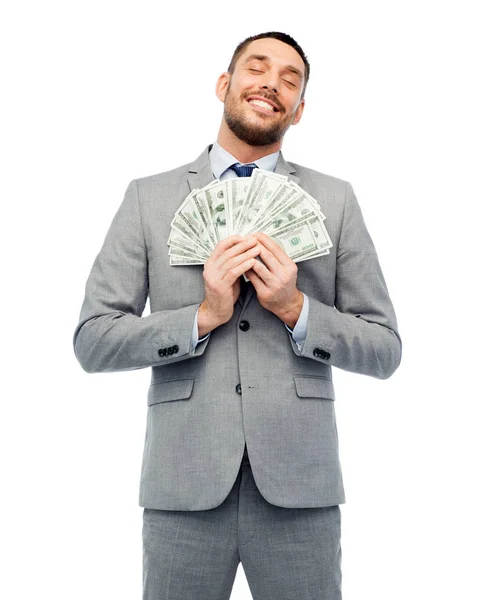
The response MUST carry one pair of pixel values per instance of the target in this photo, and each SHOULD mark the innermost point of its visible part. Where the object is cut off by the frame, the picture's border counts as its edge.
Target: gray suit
(198, 416)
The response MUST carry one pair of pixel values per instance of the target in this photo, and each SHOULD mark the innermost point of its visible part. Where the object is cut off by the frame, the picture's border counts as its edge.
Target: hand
(275, 281)
(230, 258)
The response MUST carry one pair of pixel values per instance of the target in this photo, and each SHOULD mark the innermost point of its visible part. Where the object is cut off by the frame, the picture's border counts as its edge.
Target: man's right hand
(230, 258)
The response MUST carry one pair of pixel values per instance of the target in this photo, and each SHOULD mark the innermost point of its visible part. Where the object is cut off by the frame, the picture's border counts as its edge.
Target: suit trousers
(286, 553)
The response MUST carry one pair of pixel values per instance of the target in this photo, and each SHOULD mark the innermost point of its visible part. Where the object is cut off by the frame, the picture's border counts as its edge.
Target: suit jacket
(243, 383)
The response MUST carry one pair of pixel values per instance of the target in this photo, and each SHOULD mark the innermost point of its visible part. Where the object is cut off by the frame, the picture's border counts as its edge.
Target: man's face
(263, 96)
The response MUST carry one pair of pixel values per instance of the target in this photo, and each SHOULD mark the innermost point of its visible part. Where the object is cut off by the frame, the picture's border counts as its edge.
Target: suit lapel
(200, 172)
(284, 168)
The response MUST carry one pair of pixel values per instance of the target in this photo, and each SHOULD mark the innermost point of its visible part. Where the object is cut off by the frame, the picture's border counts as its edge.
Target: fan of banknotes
(265, 202)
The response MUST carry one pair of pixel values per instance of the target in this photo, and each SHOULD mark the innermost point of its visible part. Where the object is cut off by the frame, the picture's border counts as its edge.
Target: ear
(298, 112)
(222, 85)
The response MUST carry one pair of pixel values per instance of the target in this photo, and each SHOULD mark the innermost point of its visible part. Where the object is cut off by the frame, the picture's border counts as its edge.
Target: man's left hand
(275, 281)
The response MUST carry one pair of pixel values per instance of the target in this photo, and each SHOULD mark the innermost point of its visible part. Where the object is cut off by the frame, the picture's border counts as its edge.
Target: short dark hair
(276, 35)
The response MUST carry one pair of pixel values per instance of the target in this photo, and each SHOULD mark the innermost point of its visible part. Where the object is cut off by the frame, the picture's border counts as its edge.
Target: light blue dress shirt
(220, 161)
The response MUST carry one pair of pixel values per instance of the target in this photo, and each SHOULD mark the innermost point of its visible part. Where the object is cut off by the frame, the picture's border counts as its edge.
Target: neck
(241, 150)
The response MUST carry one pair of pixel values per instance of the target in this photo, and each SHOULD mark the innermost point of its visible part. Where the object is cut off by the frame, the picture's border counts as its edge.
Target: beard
(251, 133)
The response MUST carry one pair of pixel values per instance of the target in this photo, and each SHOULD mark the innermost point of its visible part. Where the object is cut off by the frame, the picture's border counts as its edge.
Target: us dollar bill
(304, 229)
(187, 220)
(267, 202)
(181, 260)
(282, 197)
(238, 191)
(178, 245)
(262, 188)
(217, 205)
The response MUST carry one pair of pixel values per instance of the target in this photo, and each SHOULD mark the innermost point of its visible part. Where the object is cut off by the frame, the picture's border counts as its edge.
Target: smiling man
(241, 455)
(263, 96)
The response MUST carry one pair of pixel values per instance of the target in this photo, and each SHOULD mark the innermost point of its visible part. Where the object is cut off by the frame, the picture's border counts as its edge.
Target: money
(266, 202)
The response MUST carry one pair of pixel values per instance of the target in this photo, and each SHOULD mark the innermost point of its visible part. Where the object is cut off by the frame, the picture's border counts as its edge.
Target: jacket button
(244, 325)
(162, 351)
(238, 389)
(175, 349)
(327, 355)
(316, 352)
(170, 350)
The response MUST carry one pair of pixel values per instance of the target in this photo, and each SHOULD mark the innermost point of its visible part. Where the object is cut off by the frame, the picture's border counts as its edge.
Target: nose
(271, 81)
(266, 87)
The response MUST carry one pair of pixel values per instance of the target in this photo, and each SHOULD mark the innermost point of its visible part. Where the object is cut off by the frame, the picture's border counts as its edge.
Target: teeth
(263, 104)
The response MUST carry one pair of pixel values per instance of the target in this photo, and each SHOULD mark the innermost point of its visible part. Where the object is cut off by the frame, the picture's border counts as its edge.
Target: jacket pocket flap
(314, 387)
(174, 389)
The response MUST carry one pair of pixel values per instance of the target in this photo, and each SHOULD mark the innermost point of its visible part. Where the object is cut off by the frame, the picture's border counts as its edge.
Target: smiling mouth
(266, 106)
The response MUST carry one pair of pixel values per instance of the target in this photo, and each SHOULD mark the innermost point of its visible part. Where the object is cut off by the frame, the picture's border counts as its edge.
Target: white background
(98, 93)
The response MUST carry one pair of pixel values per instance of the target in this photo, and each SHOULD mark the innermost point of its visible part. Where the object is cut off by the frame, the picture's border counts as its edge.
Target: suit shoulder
(165, 177)
(318, 178)
(167, 189)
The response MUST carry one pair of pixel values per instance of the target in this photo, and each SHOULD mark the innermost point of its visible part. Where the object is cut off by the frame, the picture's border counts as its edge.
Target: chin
(258, 138)
(252, 132)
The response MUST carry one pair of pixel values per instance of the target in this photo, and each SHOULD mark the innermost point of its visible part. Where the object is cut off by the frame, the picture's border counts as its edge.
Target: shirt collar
(221, 160)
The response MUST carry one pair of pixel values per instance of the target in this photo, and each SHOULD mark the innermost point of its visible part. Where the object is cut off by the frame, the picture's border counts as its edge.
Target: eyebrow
(264, 58)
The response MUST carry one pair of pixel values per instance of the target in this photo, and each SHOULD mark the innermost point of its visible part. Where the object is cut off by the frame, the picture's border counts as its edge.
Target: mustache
(267, 96)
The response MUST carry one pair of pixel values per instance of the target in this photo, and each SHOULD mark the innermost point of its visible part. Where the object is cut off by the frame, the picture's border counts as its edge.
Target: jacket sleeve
(360, 332)
(111, 335)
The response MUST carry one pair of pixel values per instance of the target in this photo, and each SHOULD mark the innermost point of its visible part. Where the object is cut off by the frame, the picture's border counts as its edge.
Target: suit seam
(140, 217)
(321, 377)
(343, 220)
(172, 380)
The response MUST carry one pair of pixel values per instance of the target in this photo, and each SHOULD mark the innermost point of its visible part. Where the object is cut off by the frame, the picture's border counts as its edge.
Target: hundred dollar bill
(216, 203)
(297, 241)
(178, 239)
(180, 260)
(262, 187)
(237, 190)
(309, 256)
(177, 249)
(187, 218)
(181, 253)
(294, 185)
(282, 197)
(200, 202)
(266, 202)
(298, 208)
(316, 228)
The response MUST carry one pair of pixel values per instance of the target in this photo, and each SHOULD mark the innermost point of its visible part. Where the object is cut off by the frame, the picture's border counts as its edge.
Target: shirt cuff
(195, 333)
(300, 329)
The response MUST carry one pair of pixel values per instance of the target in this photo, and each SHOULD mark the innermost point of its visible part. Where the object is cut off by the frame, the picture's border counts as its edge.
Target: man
(240, 368)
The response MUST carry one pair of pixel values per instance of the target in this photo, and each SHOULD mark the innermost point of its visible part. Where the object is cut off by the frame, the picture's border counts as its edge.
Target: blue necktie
(244, 170)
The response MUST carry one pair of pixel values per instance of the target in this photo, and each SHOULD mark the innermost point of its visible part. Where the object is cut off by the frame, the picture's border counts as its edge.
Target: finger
(237, 260)
(228, 242)
(270, 259)
(256, 282)
(273, 247)
(238, 270)
(232, 250)
(263, 273)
